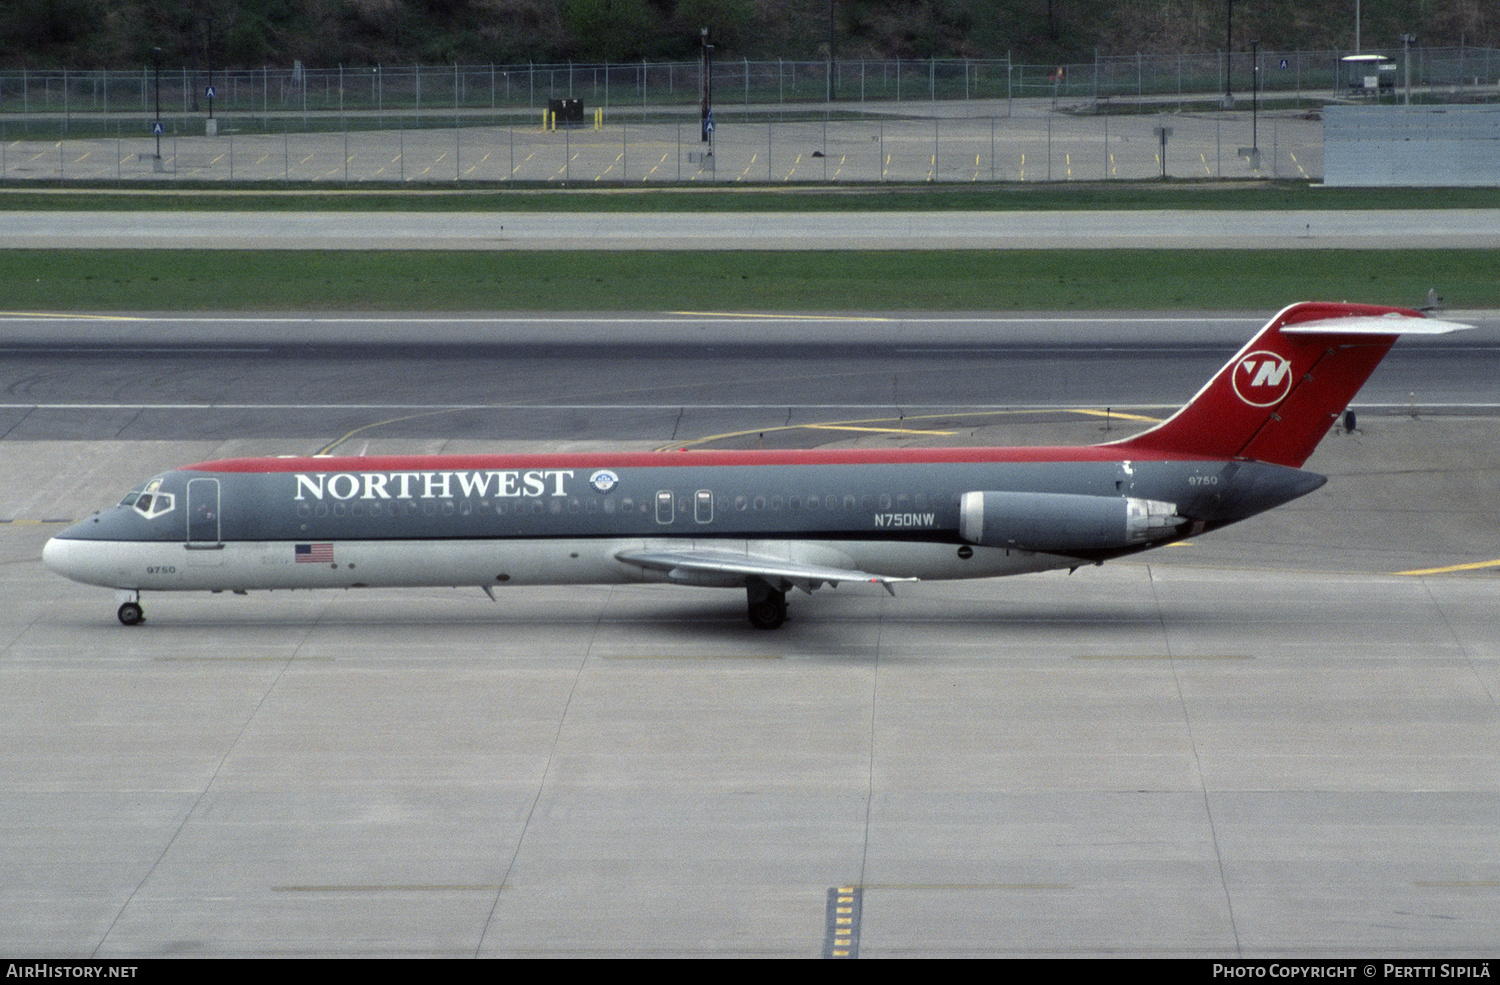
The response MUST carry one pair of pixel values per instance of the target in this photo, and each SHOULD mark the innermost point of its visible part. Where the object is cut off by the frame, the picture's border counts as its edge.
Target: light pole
(156, 127)
(706, 71)
(1228, 49)
(1406, 43)
(1255, 98)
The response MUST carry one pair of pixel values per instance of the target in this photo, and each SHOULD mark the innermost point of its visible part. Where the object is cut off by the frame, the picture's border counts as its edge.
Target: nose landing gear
(130, 611)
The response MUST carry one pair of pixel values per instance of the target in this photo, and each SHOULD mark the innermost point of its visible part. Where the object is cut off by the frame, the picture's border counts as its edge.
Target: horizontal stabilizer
(727, 568)
(1391, 324)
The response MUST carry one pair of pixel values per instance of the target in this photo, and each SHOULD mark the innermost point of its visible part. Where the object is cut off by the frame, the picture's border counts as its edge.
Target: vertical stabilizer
(1279, 395)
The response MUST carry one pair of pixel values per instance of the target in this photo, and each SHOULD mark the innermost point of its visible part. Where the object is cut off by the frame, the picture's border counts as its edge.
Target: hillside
(84, 34)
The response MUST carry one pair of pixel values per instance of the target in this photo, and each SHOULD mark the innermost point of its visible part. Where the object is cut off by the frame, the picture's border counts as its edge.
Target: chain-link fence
(965, 120)
(788, 85)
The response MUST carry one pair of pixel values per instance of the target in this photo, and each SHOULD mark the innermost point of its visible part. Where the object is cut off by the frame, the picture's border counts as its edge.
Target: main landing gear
(766, 606)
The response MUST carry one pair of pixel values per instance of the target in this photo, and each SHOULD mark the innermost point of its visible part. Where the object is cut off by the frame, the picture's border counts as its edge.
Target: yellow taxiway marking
(62, 314)
(395, 888)
(855, 425)
(850, 427)
(269, 658)
(693, 656)
(1112, 414)
(1460, 884)
(1162, 656)
(749, 315)
(965, 886)
(1472, 566)
(327, 449)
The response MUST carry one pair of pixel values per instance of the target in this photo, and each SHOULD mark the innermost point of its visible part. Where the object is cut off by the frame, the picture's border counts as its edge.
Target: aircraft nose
(70, 558)
(55, 556)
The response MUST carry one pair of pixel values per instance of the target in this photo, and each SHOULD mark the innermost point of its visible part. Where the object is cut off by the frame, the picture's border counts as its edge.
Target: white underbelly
(262, 565)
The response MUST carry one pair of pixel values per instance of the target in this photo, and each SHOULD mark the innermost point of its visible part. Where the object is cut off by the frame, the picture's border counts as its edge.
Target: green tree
(608, 30)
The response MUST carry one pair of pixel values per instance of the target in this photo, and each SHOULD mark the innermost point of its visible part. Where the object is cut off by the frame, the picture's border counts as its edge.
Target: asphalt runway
(338, 382)
(1250, 229)
(1279, 741)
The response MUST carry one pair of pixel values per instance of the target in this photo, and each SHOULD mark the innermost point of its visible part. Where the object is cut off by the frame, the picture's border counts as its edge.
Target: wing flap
(729, 569)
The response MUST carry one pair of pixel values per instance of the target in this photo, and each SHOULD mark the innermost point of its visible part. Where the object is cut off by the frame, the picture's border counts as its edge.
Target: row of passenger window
(667, 505)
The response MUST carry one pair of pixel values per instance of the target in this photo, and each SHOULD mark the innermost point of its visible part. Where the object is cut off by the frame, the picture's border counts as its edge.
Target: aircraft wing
(695, 566)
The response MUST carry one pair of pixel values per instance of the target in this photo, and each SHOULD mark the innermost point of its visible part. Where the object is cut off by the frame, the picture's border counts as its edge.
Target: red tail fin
(1279, 395)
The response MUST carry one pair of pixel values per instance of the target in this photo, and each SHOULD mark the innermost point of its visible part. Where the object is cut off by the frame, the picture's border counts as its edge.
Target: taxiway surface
(1104, 229)
(343, 380)
(1269, 743)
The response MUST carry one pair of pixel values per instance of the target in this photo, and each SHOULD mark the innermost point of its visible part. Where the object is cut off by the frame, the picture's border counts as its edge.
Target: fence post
(933, 175)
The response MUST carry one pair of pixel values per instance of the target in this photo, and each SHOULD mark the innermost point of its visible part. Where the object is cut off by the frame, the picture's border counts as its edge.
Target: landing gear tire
(131, 614)
(766, 608)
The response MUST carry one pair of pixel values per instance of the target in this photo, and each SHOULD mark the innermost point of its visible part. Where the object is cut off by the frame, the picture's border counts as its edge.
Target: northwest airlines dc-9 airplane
(764, 522)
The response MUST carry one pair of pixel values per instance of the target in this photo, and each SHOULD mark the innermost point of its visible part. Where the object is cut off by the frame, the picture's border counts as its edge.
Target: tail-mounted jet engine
(1064, 523)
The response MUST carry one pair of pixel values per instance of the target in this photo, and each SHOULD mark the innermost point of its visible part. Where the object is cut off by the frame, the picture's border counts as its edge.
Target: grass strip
(923, 197)
(965, 280)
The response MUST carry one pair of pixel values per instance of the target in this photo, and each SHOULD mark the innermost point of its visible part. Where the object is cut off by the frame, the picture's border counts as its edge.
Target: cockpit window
(153, 505)
(150, 503)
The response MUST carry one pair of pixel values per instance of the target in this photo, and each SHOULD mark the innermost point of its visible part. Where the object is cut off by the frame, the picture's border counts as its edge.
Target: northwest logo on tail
(1262, 379)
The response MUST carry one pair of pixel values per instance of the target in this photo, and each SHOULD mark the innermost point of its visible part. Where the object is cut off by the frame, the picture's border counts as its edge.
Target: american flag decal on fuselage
(313, 553)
